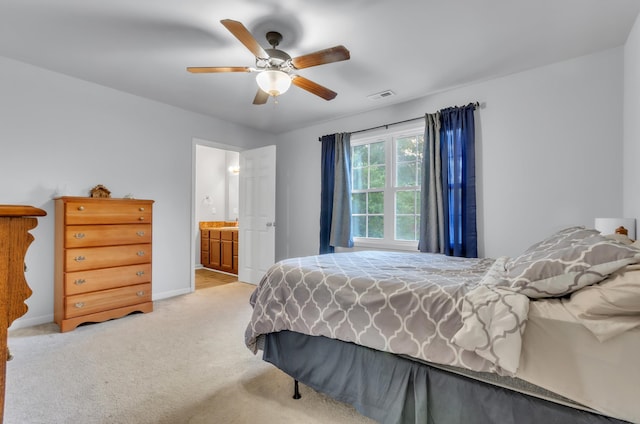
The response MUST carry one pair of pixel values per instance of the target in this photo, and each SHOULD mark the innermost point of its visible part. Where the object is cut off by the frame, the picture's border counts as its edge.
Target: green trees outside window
(369, 171)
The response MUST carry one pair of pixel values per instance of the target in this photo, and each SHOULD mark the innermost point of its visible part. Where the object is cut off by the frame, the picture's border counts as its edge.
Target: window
(385, 195)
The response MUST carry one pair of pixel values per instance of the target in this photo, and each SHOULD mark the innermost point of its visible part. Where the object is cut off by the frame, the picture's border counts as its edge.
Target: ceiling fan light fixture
(273, 82)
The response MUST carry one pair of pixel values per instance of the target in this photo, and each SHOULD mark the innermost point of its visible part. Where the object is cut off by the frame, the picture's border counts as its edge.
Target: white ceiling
(412, 47)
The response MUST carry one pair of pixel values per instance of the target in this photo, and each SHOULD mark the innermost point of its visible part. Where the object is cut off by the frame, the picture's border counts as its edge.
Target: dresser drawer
(88, 303)
(105, 257)
(106, 278)
(79, 212)
(106, 235)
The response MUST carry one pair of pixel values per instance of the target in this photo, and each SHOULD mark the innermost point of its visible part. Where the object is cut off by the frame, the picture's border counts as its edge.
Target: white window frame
(389, 135)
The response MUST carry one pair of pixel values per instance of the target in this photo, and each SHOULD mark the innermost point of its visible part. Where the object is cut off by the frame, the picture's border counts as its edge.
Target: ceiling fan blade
(313, 87)
(214, 69)
(330, 55)
(261, 98)
(242, 33)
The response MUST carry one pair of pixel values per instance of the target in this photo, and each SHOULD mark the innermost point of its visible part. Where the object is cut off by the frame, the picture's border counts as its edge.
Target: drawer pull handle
(79, 235)
(79, 281)
(140, 293)
(141, 209)
(140, 273)
(79, 258)
(140, 233)
(141, 218)
(79, 304)
(80, 208)
(140, 252)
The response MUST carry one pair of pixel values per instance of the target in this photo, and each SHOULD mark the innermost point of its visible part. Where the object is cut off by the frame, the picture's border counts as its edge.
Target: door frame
(195, 235)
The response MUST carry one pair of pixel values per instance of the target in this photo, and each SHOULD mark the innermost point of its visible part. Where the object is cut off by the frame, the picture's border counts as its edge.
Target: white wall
(211, 184)
(631, 182)
(549, 152)
(60, 133)
(233, 185)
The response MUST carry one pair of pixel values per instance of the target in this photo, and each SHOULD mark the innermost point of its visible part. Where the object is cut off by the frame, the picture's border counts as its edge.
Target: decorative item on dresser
(103, 259)
(100, 191)
(15, 223)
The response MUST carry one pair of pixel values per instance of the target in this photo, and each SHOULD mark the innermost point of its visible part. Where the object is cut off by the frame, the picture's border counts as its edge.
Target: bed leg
(296, 390)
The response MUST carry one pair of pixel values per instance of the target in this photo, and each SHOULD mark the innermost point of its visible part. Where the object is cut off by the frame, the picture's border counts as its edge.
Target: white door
(257, 213)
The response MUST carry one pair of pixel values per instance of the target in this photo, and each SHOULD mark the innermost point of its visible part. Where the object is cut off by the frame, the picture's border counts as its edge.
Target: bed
(551, 335)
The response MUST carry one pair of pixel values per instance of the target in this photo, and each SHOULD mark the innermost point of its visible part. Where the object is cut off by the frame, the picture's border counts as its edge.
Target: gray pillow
(562, 238)
(564, 265)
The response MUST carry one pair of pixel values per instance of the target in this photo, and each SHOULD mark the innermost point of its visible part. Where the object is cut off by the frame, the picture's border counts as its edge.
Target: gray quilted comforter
(403, 303)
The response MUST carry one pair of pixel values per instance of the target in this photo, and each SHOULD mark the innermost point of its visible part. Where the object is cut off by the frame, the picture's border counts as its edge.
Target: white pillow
(610, 307)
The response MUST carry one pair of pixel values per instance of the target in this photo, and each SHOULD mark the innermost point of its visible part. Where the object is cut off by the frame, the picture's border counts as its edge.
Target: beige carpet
(183, 363)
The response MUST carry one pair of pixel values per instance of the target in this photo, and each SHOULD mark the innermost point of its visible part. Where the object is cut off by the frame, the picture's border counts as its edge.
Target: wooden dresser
(15, 223)
(102, 260)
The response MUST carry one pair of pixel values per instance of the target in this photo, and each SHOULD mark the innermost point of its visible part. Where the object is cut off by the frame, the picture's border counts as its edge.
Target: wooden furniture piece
(235, 253)
(226, 250)
(214, 249)
(15, 223)
(103, 259)
(219, 246)
(205, 259)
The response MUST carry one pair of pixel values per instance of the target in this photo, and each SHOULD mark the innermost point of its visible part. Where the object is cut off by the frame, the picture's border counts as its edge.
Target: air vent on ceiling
(381, 95)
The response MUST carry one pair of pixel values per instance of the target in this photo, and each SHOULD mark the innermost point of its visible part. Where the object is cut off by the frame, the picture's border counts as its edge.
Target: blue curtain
(335, 193)
(457, 138)
(448, 211)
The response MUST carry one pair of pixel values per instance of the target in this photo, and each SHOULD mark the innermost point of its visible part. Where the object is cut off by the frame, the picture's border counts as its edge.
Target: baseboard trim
(30, 322)
(47, 319)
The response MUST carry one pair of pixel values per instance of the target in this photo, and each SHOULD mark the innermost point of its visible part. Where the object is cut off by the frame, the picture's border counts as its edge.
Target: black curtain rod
(476, 106)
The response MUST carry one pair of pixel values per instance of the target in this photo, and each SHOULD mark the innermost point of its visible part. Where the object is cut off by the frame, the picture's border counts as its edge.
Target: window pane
(377, 176)
(359, 226)
(377, 153)
(376, 227)
(360, 155)
(406, 202)
(406, 175)
(358, 203)
(360, 178)
(376, 203)
(406, 149)
(406, 227)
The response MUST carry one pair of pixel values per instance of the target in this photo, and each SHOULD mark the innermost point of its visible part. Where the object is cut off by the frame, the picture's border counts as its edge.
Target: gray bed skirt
(395, 390)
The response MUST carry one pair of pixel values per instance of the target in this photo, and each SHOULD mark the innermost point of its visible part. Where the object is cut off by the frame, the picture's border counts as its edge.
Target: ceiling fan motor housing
(277, 58)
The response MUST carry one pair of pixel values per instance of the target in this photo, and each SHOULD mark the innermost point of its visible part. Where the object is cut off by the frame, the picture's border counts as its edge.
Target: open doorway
(215, 202)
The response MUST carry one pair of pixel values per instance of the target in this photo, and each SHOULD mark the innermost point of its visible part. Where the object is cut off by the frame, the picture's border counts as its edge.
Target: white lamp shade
(608, 226)
(273, 82)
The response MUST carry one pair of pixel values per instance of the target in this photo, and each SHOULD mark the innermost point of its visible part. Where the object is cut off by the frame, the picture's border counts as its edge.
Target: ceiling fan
(276, 69)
